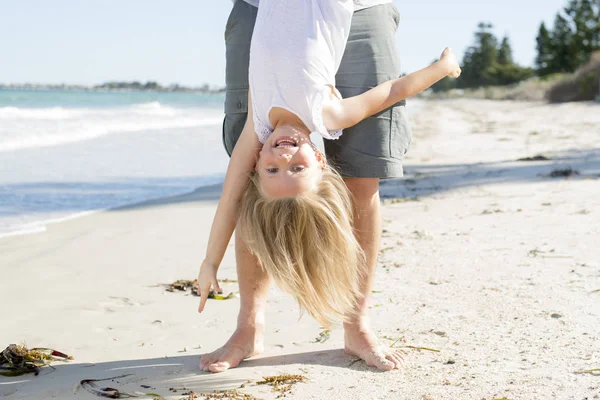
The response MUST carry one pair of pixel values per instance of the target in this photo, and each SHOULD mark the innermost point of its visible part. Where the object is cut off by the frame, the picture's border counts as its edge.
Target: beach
(489, 278)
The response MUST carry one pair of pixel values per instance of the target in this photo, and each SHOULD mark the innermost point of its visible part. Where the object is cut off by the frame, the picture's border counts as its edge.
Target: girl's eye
(298, 168)
(272, 170)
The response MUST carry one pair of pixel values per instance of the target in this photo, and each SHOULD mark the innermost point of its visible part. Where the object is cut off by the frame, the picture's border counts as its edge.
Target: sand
(484, 258)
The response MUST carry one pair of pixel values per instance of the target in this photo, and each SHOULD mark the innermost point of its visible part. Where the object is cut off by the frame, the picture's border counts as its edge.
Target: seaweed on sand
(282, 383)
(231, 394)
(108, 392)
(323, 336)
(17, 360)
(184, 285)
(594, 371)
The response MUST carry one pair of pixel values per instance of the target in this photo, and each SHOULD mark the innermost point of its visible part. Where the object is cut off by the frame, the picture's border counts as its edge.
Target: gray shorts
(375, 147)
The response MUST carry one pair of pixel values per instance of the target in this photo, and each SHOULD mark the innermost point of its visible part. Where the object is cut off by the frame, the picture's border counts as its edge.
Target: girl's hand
(451, 63)
(207, 277)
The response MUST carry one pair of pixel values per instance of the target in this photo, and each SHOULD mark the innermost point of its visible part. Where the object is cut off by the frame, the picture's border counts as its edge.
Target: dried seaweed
(539, 157)
(562, 173)
(183, 285)
(232, 394)
(541, 254)
(108, 392)
(218, 296)
(282, 383)
(595, 371)
(154, 395)
(323, 336)
(418, 348)
(393, 345)
(17, 360)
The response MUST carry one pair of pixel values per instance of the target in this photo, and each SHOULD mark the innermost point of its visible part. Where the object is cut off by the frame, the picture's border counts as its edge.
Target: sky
(181, 41)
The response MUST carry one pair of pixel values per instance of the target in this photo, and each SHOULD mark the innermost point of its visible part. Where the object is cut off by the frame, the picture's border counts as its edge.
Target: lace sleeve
(318, 115)
(262, 130)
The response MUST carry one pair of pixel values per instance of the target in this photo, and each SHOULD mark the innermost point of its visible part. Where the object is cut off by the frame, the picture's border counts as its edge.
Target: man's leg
(371, 150)
(247, 340)
(359, 340)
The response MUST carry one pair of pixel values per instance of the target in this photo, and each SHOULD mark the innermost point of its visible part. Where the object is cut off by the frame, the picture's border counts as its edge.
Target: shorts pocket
(236, 101)
(236, 112)
(400, 132)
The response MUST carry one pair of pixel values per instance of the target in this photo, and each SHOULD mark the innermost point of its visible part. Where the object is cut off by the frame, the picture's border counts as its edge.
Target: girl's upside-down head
(289, 164)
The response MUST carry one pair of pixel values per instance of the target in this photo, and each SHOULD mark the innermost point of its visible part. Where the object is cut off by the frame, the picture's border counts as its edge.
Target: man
(365, 153)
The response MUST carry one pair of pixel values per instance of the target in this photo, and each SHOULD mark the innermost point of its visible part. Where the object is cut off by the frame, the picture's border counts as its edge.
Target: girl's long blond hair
(307, 244)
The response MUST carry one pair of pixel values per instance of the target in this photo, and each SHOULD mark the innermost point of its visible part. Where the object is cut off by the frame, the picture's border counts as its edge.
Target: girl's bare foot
(245, 342)
(360, 341)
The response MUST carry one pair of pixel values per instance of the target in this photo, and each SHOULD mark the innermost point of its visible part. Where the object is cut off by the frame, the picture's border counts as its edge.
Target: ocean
(65, 154)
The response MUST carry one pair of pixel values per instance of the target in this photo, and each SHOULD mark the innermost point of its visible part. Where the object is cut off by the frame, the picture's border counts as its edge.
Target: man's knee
(363, 190)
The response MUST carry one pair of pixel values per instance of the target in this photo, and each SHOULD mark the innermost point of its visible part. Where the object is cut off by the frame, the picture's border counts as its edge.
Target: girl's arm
(348, 112)
(242, 162)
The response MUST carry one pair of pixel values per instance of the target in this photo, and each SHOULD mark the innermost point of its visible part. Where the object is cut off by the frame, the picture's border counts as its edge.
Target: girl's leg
(247, 340)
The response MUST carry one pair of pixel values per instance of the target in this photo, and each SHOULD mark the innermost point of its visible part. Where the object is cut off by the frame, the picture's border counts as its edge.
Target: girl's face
(288, 164)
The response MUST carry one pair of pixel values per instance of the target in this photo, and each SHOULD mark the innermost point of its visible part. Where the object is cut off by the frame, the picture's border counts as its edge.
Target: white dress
(296, 49)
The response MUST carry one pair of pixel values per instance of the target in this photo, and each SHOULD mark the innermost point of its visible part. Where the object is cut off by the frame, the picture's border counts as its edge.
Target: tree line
(567, 46)
(572, 40)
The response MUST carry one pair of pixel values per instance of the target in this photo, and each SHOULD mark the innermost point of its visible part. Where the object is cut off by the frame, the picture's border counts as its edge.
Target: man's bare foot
(244, 343)
(359, 341)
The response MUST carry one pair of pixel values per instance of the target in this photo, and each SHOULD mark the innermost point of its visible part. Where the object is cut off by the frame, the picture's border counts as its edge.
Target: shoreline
(41, 226)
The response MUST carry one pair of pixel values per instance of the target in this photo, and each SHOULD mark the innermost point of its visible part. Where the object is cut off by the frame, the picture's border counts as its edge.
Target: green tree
(151, 85)
(564, 55)
(471, 73)
(584, 16)
(596, 22)
(543, 59)
(488, 63)
(486, 43)
(479, 58)
(504, 55)
(506, 74)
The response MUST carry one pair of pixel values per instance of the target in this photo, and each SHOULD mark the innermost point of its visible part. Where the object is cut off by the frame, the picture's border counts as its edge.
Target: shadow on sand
(160, 375)
(425, 180)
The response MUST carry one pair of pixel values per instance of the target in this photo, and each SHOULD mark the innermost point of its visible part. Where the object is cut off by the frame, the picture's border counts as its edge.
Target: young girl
(292, 209)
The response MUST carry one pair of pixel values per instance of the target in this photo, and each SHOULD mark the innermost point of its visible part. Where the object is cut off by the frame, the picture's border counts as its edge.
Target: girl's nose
(286, 156)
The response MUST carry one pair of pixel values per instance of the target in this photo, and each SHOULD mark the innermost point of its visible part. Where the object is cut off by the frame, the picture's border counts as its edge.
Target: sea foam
(22, 128)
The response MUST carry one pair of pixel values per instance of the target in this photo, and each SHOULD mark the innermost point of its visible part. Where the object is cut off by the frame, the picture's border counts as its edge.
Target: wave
(90, 131)
(52, 113)
(62, 113)
(153, 105)
(22, 128)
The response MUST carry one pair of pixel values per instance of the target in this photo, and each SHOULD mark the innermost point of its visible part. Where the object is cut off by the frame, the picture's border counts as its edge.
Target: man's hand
(207, 278)
(449, 59)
